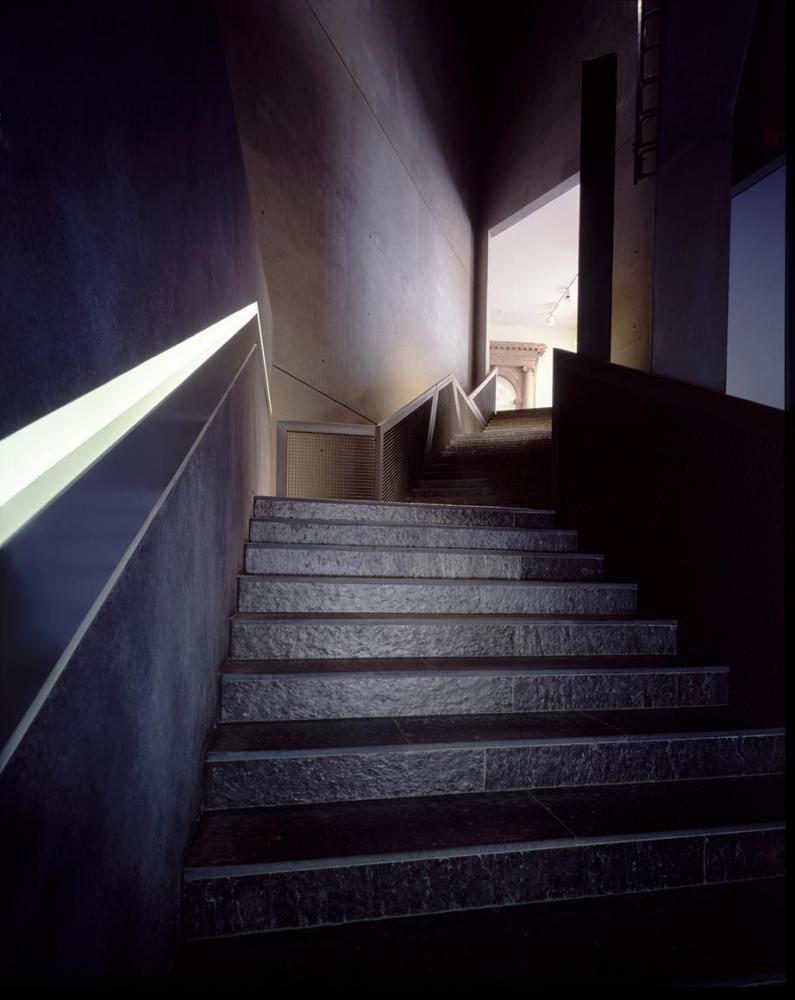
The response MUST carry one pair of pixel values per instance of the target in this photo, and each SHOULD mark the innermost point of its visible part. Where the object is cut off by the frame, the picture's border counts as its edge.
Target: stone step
(361, 511)
(539, 414)
(527, 456)
(460, 482)
(306, 866)
(411, 535)
(382, 561)
(289, 690)
(279, 763)
(496, 472)
(489, 500)
(296, 636)
(721, 934)
(325, 594)
(498, 441)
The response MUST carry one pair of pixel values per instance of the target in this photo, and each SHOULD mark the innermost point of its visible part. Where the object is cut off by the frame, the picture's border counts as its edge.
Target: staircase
(507, 464)
(443, 711)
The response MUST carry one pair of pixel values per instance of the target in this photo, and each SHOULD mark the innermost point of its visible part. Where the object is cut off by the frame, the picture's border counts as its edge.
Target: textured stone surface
(250, 778)
(400, 513)
(330, 560)
(337, 776)
(290, 594)
(352, 696)
(235, 903)
(621, 940)
(633, 759)
(614, 689)
(263, 637)
(356, 695)
(733, 856)
(408, 535)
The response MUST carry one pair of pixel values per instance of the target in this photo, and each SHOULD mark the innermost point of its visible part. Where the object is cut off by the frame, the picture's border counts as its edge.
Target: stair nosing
(233, 676)
(232, 756)
(334, 547)
(341, 522)
(201, 873)
(432, 581)
(413, 618)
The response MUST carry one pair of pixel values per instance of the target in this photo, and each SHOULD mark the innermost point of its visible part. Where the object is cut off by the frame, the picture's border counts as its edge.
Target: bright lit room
(532, 295)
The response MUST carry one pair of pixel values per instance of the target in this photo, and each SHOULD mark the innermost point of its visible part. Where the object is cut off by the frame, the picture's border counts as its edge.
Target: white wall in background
(755, 356)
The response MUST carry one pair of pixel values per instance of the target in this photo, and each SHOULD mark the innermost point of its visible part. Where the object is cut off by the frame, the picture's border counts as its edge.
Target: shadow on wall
(355, 182)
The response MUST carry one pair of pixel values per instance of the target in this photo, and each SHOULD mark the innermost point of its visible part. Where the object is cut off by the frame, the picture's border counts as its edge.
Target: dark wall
(98, 802)
(683, 489)
(530, 140)
(703, 50)
(126, 228)
(126, 217)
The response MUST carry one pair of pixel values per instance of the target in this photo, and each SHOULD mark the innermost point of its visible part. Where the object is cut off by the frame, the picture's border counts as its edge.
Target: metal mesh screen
(330, 466)
(469, 422)
(486, 400)
(446, 419)
(404, 452)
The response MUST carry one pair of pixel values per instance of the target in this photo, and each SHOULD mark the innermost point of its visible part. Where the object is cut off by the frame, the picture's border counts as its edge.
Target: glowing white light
(42, 459)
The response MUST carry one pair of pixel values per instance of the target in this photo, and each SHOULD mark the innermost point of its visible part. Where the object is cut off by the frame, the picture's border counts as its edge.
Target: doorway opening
(532, 295)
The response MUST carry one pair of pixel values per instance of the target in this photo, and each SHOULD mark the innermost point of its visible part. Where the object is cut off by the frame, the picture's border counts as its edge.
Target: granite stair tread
(472, 617)
(653, 938)
(461, 665)
(376, 507)
(621, 725)
(333, 532)
(377, 561)
(438, 823)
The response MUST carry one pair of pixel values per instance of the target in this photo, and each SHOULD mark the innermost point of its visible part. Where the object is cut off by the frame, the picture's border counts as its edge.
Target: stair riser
(400, 514)
(456, 499)
(328, 561)
(368, 597)
(301, 639)
(459, 472)
(504, 493)
(232, 903)
(237, 781)
(293, 698)
(420, 536)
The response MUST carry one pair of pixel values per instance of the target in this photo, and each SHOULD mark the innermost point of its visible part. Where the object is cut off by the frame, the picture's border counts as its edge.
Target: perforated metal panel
(330, 466)
(468, 423)
(404, 452)
(446, 419)
(486, 400)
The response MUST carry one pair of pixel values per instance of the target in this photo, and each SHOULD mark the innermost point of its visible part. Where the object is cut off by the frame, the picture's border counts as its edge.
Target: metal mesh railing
(485, 396)
(329, 465)
(404, 447)
(447, 423)
(361, 462)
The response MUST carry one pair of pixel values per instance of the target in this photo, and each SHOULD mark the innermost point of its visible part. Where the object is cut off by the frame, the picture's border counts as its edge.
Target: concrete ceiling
(531, 263)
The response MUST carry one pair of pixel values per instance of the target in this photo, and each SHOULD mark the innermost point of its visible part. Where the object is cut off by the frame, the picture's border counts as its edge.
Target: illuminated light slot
(39, 461)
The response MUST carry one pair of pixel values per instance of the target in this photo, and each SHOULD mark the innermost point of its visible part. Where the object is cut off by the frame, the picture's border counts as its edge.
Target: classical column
(527, 387)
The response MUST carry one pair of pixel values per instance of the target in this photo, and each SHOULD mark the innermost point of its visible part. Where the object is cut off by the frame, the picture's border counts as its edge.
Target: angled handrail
(404, 441)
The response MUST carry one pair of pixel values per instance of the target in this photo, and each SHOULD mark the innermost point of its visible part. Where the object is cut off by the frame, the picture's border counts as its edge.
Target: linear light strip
(34, 708)
(39, 461)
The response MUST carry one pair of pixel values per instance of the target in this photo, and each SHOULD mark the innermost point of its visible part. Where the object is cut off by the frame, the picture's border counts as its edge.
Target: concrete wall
(126, 228)
(704, 46)
(533, 141)
(126, 219)
(357, 154)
